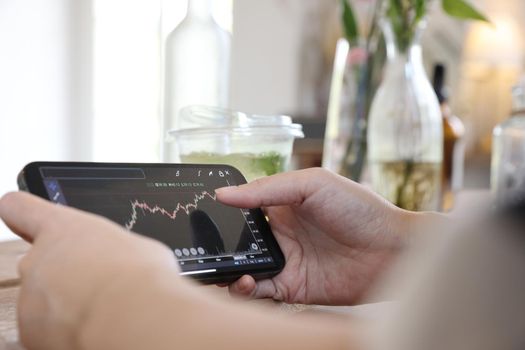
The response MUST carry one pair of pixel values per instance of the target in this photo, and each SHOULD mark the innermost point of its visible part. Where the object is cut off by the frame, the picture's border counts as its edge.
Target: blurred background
(81, 79)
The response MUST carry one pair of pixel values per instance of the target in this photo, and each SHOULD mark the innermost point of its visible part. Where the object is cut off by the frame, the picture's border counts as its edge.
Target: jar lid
(206, 119)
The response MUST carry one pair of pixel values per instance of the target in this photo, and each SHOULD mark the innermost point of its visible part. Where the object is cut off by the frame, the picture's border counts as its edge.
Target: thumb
(26, 214)
(247, 287)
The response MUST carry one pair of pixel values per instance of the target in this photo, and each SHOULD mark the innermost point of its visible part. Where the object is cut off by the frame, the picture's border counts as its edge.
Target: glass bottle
(508, 151)
(405, 134)
(453, 142)
(196, 68)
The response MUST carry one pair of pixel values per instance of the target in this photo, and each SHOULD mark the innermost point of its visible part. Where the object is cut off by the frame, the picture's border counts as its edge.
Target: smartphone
(172, 203)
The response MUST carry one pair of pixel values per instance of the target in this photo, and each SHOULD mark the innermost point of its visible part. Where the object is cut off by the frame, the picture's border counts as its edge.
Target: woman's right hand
(336, 235)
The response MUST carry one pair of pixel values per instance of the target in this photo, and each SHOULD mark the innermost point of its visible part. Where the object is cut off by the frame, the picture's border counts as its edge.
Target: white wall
(126, 79)
(35, 85)
(265, 55)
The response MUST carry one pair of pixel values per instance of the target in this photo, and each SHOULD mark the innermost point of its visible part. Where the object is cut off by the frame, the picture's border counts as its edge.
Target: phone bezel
(31, 180)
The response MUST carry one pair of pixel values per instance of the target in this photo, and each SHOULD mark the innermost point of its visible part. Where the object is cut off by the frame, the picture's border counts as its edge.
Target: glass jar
(508, 152)
(405, 133)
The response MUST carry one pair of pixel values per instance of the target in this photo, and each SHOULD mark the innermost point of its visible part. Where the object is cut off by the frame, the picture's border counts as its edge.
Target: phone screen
(176, 205)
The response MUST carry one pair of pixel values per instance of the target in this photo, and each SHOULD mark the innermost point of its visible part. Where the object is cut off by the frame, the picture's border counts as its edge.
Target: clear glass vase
(345, 136)
(354, 83)
(405, 130)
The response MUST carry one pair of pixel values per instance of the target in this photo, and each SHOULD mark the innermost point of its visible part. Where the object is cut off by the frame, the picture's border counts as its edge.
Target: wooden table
(9, 254)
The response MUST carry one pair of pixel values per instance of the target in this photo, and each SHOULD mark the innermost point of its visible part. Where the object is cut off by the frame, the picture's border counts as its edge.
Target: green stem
(368, 77)
(408, 169)
(404, 18)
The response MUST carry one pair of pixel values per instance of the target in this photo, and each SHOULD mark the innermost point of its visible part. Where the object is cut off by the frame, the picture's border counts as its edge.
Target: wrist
(419, 223)
(123, 309)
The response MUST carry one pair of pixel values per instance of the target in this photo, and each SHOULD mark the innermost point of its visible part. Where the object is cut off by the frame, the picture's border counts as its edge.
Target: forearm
(165, 313)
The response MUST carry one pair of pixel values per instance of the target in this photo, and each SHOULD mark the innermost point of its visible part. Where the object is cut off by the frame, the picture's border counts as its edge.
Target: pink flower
(357, 56)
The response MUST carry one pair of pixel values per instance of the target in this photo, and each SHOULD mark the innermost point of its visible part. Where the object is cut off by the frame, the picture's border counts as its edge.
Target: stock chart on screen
(175, 206)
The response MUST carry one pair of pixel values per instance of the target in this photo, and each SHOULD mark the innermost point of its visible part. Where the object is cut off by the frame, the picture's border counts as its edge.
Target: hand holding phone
(173, 203)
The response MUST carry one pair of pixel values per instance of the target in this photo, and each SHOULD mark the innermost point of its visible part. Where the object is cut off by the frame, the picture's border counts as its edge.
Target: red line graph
(172, 214)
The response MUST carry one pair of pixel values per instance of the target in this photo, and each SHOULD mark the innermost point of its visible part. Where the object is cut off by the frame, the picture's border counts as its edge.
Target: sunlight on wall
(127, 68)
(492, 62)
(34, 87)
(126, 76)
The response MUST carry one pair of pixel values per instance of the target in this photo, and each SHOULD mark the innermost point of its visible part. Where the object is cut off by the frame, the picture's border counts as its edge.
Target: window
(47, 80)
